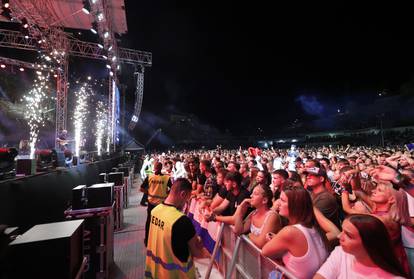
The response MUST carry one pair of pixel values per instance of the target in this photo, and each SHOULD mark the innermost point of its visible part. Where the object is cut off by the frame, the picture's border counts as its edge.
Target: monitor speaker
(53, 250)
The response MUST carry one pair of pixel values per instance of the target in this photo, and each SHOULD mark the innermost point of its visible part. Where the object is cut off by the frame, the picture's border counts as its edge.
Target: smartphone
(409, 146)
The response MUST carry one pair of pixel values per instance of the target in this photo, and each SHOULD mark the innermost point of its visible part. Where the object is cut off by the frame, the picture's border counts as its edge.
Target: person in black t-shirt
(244, 171)
(183, 243)
(234, 197)
(220, 192)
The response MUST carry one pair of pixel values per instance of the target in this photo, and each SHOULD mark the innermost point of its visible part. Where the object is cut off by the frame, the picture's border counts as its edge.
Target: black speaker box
(79, 197)
(53, 250)
(26, 166)
(102, 177)
(100, 195)
(116, 177)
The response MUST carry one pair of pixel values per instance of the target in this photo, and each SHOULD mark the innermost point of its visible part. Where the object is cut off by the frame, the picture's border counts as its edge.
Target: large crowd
(325, 212)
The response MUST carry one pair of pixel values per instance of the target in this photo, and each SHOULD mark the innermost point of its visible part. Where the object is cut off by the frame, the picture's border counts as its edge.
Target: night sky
(245, 65)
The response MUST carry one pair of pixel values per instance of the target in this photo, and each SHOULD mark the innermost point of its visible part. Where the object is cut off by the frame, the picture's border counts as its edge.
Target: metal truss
(16, 40)
(17, 63)
(74, 47)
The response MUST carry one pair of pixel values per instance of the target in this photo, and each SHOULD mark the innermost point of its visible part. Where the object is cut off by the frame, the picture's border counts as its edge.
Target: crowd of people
(325, 212)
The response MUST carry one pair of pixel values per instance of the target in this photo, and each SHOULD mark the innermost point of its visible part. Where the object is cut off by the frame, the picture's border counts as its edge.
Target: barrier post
(233, 260)
(215, 250)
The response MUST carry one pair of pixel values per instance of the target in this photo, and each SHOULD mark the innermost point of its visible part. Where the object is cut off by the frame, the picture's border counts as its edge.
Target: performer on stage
(63, 141)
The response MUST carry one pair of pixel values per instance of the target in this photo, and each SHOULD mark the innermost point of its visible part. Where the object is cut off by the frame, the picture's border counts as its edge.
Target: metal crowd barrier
(239, 257)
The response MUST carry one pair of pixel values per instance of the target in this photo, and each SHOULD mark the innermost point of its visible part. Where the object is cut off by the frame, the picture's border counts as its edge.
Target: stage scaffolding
(47, 20)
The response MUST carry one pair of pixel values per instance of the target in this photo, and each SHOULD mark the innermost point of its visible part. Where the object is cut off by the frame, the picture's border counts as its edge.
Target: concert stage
(43, 198)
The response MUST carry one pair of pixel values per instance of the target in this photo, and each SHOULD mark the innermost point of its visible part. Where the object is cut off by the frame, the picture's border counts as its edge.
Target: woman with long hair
(302, 245)
(391, 207)
(262, 220)
(365, 252)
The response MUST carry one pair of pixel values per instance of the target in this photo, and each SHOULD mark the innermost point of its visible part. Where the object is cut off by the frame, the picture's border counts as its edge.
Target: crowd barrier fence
(235, 256)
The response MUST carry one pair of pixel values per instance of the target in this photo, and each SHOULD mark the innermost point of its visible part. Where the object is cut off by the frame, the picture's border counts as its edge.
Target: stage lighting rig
(6, 4)
(86, 7)
(25, 24)
(94, 28)
(100, 16)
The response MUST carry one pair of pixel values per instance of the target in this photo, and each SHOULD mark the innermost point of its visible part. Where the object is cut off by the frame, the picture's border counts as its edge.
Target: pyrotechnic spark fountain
(80, 114)
(101, 125)
(34, 110)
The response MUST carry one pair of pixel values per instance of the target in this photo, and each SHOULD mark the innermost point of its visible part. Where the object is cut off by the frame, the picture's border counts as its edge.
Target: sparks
(34, 103)
(81, 111)
(101, 125)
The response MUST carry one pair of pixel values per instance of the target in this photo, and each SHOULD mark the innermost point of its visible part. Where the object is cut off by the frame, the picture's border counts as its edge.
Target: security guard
(173, 242)
(156, 186)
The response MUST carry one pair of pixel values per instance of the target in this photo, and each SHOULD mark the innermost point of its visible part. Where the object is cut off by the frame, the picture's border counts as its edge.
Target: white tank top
(258, 230)
(307, 265)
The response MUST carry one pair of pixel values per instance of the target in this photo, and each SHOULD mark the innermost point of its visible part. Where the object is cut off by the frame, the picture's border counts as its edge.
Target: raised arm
(327, 226)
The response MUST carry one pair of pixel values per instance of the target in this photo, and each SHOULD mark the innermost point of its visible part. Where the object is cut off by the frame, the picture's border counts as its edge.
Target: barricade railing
(237, 256)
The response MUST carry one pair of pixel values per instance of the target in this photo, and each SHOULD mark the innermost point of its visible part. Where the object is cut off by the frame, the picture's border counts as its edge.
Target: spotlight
(6, 4)
(108, 66)
(94, 28)
(89, 77)
(86, 7)
(114, 58)
(25, 31)
(25, 24)
(100, 16)
(94, 1)
(100, 46)
(21, 69)
(104, 57)
(2, 66)
(111, 73)
(110, 48)
(106, 35)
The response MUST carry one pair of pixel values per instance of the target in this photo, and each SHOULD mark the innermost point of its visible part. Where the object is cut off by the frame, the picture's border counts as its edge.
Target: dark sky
(245, 65)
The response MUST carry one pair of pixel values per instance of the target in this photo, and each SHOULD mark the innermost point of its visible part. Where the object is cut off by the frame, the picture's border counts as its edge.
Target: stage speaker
(7, 156)
(26, 166)
(100, 195)
(116, 177)
(79, 197)
(53, 250)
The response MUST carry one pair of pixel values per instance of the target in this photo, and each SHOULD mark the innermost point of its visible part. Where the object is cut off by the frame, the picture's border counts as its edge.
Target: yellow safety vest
(157, 188)
(160, 261)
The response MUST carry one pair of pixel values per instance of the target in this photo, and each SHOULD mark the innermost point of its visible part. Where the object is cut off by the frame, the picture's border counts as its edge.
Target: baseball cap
(315, 171)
